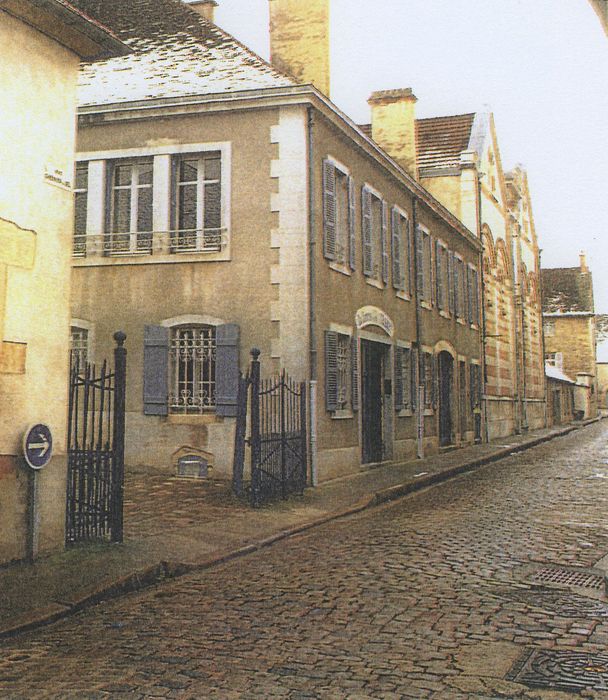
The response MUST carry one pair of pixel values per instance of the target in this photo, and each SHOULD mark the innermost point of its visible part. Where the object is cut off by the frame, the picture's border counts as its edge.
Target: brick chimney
(394, 125)
(583, 261)
(299, 40)
(205, 8)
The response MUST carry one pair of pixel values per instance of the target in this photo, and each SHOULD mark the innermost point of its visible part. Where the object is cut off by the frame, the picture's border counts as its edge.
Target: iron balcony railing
(207, 240)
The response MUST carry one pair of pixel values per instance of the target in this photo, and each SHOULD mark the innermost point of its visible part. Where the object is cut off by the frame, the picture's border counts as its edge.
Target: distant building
(224, 204)
(42, 43)
(570, 328)
(561, 393)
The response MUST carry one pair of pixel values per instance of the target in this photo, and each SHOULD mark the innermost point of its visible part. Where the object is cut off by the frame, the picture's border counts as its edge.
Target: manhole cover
(568, 577)
(562, 670)
(566, 605)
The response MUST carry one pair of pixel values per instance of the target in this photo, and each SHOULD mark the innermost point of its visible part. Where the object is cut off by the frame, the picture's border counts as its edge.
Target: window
(341, 372)
(192, 356)
(459, 288)
(424, 266)
(374, 229)
(81, 183)
(401, 252)
(197, 210)
(473, 295)
(405, 379)
(79, 346)
(129, 228)
(555, 359)
(549, 328)
(442, 276)
(338, 215)
(475, 392)
(427, 376)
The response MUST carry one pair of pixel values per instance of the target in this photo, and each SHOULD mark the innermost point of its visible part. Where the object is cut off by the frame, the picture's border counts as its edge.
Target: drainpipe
(522, 313)
(312, 318)
(482, 277)
(417, 340)
(542, 336)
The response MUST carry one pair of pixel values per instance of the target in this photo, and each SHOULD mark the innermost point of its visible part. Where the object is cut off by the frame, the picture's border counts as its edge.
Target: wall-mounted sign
(55, 176)
(373, 316)
(38, 446)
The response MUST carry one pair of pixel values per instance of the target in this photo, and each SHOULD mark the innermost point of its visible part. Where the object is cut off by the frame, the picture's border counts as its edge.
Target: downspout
(483, 316)
(524, 385)
(417, 340)
(542, 335)
(312, 313)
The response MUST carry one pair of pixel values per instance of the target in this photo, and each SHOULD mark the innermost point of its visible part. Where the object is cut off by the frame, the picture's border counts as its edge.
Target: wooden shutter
(366, 228)
(329, 210)
(434, 360)
(156, 371)
(469, 294)
(451, 291)
(354, 366)
(475, 279)
(415, 382)
(226, 369)
(352, 238)
(418, 239)
(396, 238)
(439, 274)
(398, 370)
(331, 370)
(407, 267)
(384, 238)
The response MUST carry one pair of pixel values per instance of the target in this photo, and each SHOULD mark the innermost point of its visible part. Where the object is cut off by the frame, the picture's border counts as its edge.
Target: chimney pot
(205, 8)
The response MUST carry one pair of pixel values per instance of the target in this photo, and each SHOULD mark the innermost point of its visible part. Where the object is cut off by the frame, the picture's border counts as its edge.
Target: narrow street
(438, 595)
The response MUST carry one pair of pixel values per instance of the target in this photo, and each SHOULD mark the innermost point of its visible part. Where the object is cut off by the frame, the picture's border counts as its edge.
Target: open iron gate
(277, 441)
(96, 439)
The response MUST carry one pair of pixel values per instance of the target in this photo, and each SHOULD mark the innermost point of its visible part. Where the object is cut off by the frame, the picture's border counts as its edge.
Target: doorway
(372, 366)
(446, 383)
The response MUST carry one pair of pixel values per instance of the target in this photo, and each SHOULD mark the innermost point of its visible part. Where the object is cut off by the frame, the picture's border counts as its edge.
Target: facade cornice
(303, 95)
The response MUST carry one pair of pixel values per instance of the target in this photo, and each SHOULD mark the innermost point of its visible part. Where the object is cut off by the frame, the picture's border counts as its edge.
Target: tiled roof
(567, 290)
(176, 52)
(440, 140)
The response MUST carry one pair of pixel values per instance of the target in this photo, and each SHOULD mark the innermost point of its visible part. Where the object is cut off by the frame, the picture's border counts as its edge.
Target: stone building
(569, 328)
(225, 203)
(458, 160)
(561, 391)
(42, 43)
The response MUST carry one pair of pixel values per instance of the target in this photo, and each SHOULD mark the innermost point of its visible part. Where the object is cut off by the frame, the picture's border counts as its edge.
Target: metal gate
(277, 441)
(96, 436)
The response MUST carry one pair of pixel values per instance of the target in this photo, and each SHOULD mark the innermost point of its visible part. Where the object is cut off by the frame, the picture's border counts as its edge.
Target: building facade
(42, 44)
(224, 205)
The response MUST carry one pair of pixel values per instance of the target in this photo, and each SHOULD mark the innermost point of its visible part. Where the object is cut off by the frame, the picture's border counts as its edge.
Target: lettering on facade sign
(372, 316)
(56, 177)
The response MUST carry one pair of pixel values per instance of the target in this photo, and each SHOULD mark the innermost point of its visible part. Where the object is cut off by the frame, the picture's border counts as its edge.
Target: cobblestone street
(431, 596)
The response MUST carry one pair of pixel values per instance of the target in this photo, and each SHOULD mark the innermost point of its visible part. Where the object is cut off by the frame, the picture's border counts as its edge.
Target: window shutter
(439, 274)
(329, 210)
(351, 223)
(419, 264)
(475, 278)
(384, 234)
(407, 267)
(331, 370)
(396, 249)
(366, 227)
(433, 359)
(398, 354)
(451, 291)
(414, 368)
(469, 294)
(156, 370)
(226, 369)
(354, 365)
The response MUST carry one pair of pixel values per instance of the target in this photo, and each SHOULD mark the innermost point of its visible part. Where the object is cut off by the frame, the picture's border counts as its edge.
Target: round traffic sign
(38, 446)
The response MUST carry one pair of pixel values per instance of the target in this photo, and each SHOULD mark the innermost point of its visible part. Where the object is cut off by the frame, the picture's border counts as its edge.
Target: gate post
(256, 443)
(240, 431)
(118, 463)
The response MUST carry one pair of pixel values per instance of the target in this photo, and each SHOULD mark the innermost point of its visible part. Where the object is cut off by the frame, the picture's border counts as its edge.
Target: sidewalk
(174, 526)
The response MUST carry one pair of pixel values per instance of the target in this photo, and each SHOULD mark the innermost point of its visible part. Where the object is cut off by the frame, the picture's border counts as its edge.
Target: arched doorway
(446, 387)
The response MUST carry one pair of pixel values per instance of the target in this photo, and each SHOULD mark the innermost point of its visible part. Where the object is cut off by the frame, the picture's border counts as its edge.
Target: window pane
(192, 356)
(213, 206)
(145, 172)
(213, 168)
(187, 207)
(123, 174)
(121, 211)
(188, 170)
(80, 213)
(144, 209)
(82, 176)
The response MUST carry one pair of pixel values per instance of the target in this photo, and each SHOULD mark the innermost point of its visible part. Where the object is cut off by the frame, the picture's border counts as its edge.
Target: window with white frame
(81, 181)
(374, 234)
(192, 359)
(338, 215)
(401, 250)
(197, 205)
(79, 346)
(129, 227)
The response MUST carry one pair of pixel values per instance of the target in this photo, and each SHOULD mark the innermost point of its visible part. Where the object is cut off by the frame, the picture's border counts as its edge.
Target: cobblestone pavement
(426, 597)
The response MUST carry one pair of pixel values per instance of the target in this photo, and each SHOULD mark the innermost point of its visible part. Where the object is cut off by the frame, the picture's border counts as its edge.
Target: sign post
(37, 451)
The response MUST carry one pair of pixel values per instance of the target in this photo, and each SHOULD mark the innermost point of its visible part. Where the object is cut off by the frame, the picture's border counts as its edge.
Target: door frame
(442, 354)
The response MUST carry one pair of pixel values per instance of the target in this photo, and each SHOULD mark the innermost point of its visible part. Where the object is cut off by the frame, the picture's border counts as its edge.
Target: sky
(541, 66)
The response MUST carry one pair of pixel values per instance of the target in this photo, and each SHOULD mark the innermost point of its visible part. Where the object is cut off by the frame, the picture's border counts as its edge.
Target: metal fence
(276, 408)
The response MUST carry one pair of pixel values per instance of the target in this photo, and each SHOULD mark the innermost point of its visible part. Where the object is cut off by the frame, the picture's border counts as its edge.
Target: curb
(168, 570)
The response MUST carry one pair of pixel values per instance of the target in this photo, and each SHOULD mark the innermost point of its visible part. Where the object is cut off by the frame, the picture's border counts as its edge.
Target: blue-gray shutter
(419, 264)
(331, 370)
(398, 369)
(396, 239)
(475, 279)
(329, 210)
(439, 275)
(384, 238)
(156, 371)
(354, 365)
(469, 295)
(352, 235)
(457, 271)
(226, 369)
(408, 263)
(366, 228)
(451, 282)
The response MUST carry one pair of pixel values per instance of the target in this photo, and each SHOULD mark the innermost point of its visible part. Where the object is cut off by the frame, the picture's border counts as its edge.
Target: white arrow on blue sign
(38, 446)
